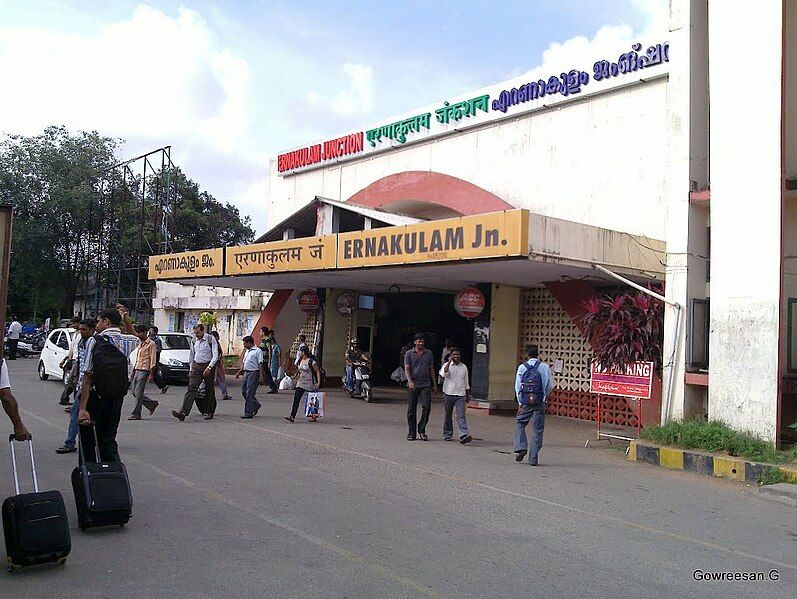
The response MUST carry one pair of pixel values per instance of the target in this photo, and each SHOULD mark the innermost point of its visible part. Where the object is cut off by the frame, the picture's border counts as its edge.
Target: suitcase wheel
(61, 561)
(13, 567)
(122, 525)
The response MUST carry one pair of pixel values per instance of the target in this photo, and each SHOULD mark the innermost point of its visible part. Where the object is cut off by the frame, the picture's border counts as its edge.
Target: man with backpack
(533, 383)
(105, 382)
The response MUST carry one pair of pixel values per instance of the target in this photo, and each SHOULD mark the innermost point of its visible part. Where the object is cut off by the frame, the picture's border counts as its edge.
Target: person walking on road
(203, 358)
(456, 389)
(221, 375)
(419, 368)
(85, 332)
(159, 382)
(105, 410)
(309, 375)
(302, 343)
(252, 370)
(265, 347)
(14, 331)
(69, 363)
(143, 372)
(533, 383)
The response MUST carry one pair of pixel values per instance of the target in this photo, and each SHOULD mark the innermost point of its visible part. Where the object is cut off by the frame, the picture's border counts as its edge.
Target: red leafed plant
(624, 328)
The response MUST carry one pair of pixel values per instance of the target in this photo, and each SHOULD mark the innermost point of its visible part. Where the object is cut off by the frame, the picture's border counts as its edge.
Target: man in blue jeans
(86, 330)
(533, 383)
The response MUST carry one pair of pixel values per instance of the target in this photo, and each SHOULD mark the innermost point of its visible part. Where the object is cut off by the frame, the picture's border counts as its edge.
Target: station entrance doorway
(399, 316)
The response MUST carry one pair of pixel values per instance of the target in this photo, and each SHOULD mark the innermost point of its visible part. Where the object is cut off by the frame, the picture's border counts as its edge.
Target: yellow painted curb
(671, 458)
(790, 471)
(729, 468)
(632, 451)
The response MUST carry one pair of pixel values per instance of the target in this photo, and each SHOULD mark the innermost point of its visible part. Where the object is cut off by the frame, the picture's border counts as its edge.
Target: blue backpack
(531, 384)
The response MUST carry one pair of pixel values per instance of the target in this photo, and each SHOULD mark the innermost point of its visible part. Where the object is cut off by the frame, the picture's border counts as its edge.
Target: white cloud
(609, 41)
(150, 76)
(355, 97)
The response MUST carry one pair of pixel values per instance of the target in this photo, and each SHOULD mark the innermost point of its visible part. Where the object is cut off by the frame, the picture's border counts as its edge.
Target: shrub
(625, 328)
(717, 437)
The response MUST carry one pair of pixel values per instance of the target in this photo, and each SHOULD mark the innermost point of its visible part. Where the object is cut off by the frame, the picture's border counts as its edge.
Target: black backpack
(109, 369)
(323, 381)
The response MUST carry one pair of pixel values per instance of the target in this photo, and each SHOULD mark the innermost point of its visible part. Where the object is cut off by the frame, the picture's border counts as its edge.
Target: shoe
(271, 392)
(66, 449)
(519, 455)
(134, 417)
(288, 418)
(227, 398)
(447, 439)
(68, 409)
(246, 416)
(410, 437)
(179, 415)
(165, 389)
(207, 416)
(256, 410)
(423, 436)
(64, 403)
(465, 439)
(152, 411)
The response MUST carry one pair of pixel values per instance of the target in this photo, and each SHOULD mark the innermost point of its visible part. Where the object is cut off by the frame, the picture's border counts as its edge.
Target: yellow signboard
(306, 253)
(199, 263)
(493, 235)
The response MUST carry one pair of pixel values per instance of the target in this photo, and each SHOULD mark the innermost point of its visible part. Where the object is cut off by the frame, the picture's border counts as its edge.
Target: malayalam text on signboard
(199, 263)
(306, 253)
(635, 380)
(494, 235)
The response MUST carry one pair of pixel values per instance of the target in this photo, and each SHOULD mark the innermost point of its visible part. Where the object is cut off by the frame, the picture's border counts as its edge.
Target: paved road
(348, 508)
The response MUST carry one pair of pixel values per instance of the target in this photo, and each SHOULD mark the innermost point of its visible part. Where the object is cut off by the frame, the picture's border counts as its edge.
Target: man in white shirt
(14, 331)
(203, 359)
(456, 389)
(253, 370)
(10, 404)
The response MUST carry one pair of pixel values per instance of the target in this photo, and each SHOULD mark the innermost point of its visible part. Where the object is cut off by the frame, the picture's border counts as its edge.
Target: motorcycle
(362, 381)
(24, 349)
(36, 339)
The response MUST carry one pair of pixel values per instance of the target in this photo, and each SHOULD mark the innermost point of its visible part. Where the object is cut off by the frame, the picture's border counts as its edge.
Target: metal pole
(665, 409)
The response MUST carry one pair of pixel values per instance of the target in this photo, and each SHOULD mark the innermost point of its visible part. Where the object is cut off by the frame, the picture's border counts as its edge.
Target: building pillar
(687, 120)
(504, 335)
(746, 212)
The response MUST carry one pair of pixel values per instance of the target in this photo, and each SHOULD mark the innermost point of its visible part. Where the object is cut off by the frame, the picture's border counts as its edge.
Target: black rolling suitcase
(35, 525)
(102, 491)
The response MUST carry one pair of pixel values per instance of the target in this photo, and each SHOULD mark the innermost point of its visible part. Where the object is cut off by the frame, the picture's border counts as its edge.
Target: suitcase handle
(11, 439)
(81, 459)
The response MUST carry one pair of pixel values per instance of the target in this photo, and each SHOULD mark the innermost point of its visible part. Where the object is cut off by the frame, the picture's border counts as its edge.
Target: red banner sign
(308, 301)
(469, 302)
(635, 380)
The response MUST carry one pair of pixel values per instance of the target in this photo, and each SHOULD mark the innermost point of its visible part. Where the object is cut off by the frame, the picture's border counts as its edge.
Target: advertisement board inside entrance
(469, 302)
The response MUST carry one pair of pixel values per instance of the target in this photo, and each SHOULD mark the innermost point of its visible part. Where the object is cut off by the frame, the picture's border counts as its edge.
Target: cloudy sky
(228, 84)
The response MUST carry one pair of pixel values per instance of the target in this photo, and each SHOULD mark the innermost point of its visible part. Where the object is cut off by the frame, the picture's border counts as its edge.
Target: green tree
(74, 218)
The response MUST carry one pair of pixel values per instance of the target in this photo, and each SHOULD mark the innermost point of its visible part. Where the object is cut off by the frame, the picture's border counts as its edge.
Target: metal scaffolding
(136, 209)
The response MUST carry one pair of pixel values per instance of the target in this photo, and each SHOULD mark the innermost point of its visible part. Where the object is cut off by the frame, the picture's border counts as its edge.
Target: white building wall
(746, 199)
(237, 310)
(599, 160)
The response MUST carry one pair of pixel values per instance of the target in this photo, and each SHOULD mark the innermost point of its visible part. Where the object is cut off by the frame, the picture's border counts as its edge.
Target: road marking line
(379, 569)
(650, 529)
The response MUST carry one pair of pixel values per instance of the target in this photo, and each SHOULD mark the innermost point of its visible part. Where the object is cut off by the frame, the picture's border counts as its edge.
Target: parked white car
(173, 363)
(56, 347)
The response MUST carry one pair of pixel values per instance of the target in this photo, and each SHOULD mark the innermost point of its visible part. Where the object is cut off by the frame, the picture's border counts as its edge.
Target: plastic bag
(286, 383)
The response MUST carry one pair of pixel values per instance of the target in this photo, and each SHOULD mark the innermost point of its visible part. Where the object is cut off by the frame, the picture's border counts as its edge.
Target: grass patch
(717, 437)
(230, 361)
(773, 476)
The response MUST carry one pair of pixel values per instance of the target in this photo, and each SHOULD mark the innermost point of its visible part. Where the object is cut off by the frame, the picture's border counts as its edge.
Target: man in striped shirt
(104, 412)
